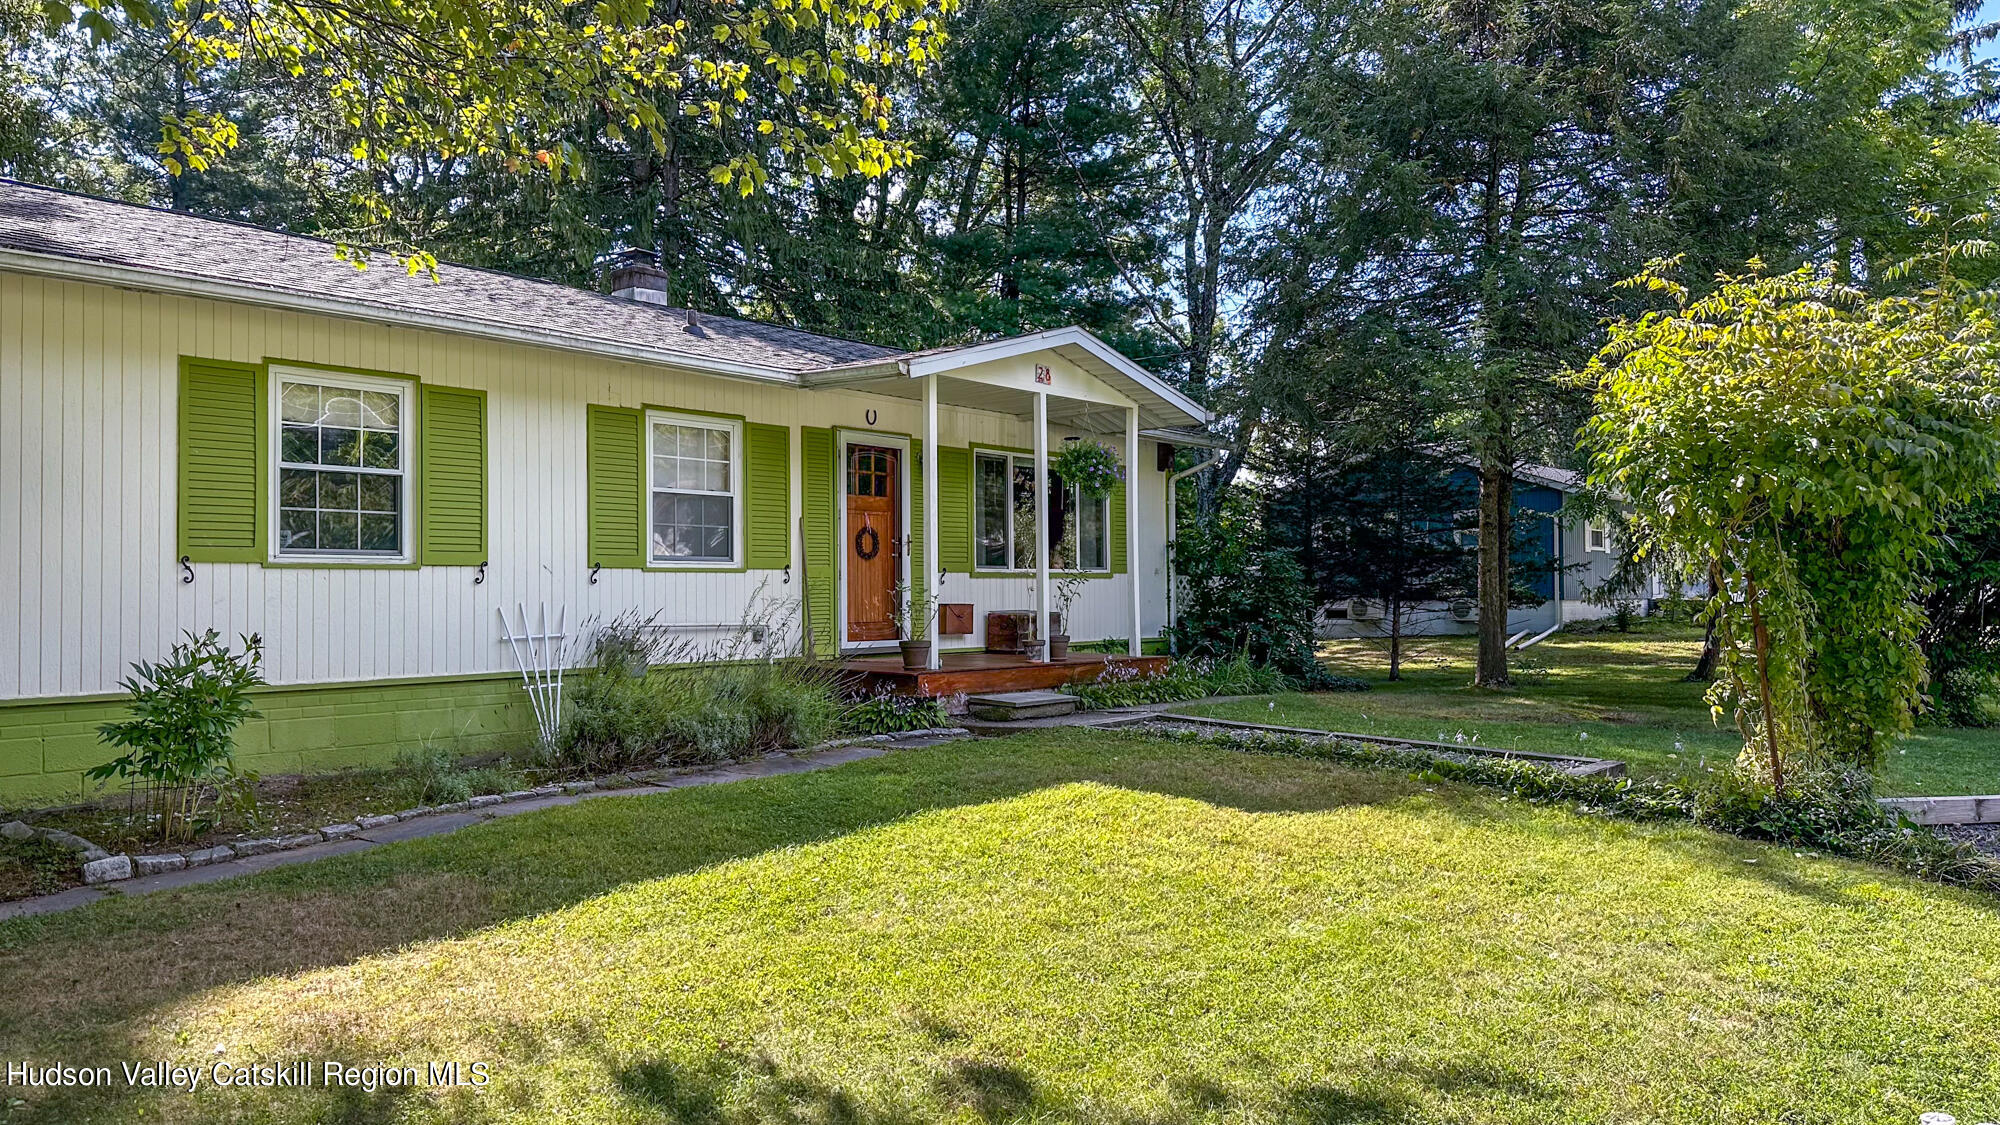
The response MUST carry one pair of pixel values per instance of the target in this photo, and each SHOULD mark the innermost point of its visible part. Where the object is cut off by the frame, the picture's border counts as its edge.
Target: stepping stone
(1009, 706)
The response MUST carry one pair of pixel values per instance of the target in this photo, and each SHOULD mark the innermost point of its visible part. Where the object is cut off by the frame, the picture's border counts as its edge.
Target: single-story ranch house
(205, 424)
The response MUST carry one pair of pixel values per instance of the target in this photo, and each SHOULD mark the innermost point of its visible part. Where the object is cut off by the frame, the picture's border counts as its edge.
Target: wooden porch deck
(969, 672)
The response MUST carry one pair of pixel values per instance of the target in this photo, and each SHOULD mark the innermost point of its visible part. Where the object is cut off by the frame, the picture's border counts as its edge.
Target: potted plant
(913, 631)
(1064, 589)
(1087, 465)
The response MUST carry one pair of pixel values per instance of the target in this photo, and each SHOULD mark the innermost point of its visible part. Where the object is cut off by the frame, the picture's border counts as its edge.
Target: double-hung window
(343, 465)
(1597, 536)
(695, 469)
(1003, 492)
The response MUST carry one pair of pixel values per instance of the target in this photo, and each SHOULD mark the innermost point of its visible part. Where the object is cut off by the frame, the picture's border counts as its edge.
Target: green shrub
(1240, 595)
(889, 714)
(182, 733)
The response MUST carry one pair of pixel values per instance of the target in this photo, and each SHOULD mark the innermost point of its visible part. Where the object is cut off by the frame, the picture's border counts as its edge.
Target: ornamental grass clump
(649, 698)
(1800, 441)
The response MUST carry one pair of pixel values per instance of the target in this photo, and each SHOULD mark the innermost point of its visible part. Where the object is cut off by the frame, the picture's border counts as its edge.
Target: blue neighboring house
(1571, 557)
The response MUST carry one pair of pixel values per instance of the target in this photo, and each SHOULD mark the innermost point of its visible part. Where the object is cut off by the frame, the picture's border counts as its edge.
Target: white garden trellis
(541, 654)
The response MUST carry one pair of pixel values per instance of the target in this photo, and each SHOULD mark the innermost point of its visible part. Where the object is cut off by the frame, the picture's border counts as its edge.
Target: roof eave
(944, 361)
(131, 277)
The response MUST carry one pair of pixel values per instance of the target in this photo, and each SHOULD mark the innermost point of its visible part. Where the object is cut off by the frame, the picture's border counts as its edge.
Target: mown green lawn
(1607, 695)
(1070, 926)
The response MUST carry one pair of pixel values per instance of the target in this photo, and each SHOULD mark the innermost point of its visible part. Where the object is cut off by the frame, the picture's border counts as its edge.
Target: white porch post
(1132, 523)
(1041, 521)
(934, 569)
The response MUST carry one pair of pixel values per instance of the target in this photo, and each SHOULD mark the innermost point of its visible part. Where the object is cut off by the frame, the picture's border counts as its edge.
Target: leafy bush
(1961, 634)
(646, 700)
(1241, 596)
(182, 733)
(1830, 810)
(888, 714)
(1119, 685)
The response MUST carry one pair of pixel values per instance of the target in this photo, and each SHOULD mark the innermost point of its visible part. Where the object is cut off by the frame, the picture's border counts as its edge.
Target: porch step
(1008, 706)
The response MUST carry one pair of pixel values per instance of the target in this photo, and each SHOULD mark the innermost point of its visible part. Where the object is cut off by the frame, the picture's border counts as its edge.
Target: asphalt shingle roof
(46, 221)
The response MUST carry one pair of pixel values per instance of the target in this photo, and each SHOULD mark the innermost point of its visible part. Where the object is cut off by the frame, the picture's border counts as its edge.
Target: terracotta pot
(1059, 647)
(916, 655)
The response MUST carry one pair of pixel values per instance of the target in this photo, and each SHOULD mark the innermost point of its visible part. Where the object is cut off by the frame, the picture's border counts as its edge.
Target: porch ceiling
(1069, 413)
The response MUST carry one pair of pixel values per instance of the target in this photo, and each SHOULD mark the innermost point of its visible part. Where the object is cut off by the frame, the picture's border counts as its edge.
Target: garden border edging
(101, 866)
(1934, 811)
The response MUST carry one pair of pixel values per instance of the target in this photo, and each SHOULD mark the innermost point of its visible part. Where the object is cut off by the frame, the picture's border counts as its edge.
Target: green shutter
(955, 509)
(222, 441)
(920, 572)
(615, 441)
(767, 502)
(452, 490)
(817, 479)
(1115, 511)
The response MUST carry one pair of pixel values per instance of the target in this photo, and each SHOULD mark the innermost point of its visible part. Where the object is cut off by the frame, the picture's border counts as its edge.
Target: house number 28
(1043, 375)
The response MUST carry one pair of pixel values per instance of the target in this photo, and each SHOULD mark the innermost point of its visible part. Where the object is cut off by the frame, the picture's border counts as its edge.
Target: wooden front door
(874, 543)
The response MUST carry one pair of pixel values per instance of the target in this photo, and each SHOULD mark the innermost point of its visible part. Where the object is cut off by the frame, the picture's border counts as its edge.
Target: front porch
(974, 672)
(977, 521)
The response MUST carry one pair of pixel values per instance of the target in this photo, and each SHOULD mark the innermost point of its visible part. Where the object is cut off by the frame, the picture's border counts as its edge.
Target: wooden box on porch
(1010, 630)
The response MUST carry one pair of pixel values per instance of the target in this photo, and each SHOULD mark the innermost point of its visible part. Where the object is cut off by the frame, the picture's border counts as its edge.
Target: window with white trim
(694, 475)
(1003, 493)
(342, 454)
(1597, 536)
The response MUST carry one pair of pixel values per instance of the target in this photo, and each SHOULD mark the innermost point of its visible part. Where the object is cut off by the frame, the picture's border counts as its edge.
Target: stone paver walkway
(773, 766)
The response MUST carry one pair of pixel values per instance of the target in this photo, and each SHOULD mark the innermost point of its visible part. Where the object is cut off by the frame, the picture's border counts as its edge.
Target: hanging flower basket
(1089, 466)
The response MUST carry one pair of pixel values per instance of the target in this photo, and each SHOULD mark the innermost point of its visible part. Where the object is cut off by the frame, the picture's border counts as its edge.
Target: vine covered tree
(1805, 441)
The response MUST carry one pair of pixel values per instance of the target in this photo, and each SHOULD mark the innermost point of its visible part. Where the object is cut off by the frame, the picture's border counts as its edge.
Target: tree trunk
(1496, 534)
(1711, 645)
(1763, 639)
(1395, 639)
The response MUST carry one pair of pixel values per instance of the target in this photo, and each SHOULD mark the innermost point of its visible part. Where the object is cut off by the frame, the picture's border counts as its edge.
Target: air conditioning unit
(1464, 609)
(1361, 609)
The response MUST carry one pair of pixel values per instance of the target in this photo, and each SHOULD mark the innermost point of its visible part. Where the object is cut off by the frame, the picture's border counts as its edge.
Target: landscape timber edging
(1574, 764)
(100, 866)
(1930, 811)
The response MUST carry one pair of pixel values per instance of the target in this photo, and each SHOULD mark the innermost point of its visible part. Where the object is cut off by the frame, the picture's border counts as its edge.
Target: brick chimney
(636, 275)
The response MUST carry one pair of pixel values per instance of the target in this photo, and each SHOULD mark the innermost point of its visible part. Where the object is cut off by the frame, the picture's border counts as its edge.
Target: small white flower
(218, 1048)
(1936, 1118)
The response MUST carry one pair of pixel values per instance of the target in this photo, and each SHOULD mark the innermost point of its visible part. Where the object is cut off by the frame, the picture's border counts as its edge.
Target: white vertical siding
(89, 580)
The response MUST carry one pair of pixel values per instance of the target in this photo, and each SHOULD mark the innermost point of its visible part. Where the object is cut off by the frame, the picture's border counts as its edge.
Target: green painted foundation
(46, 744)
